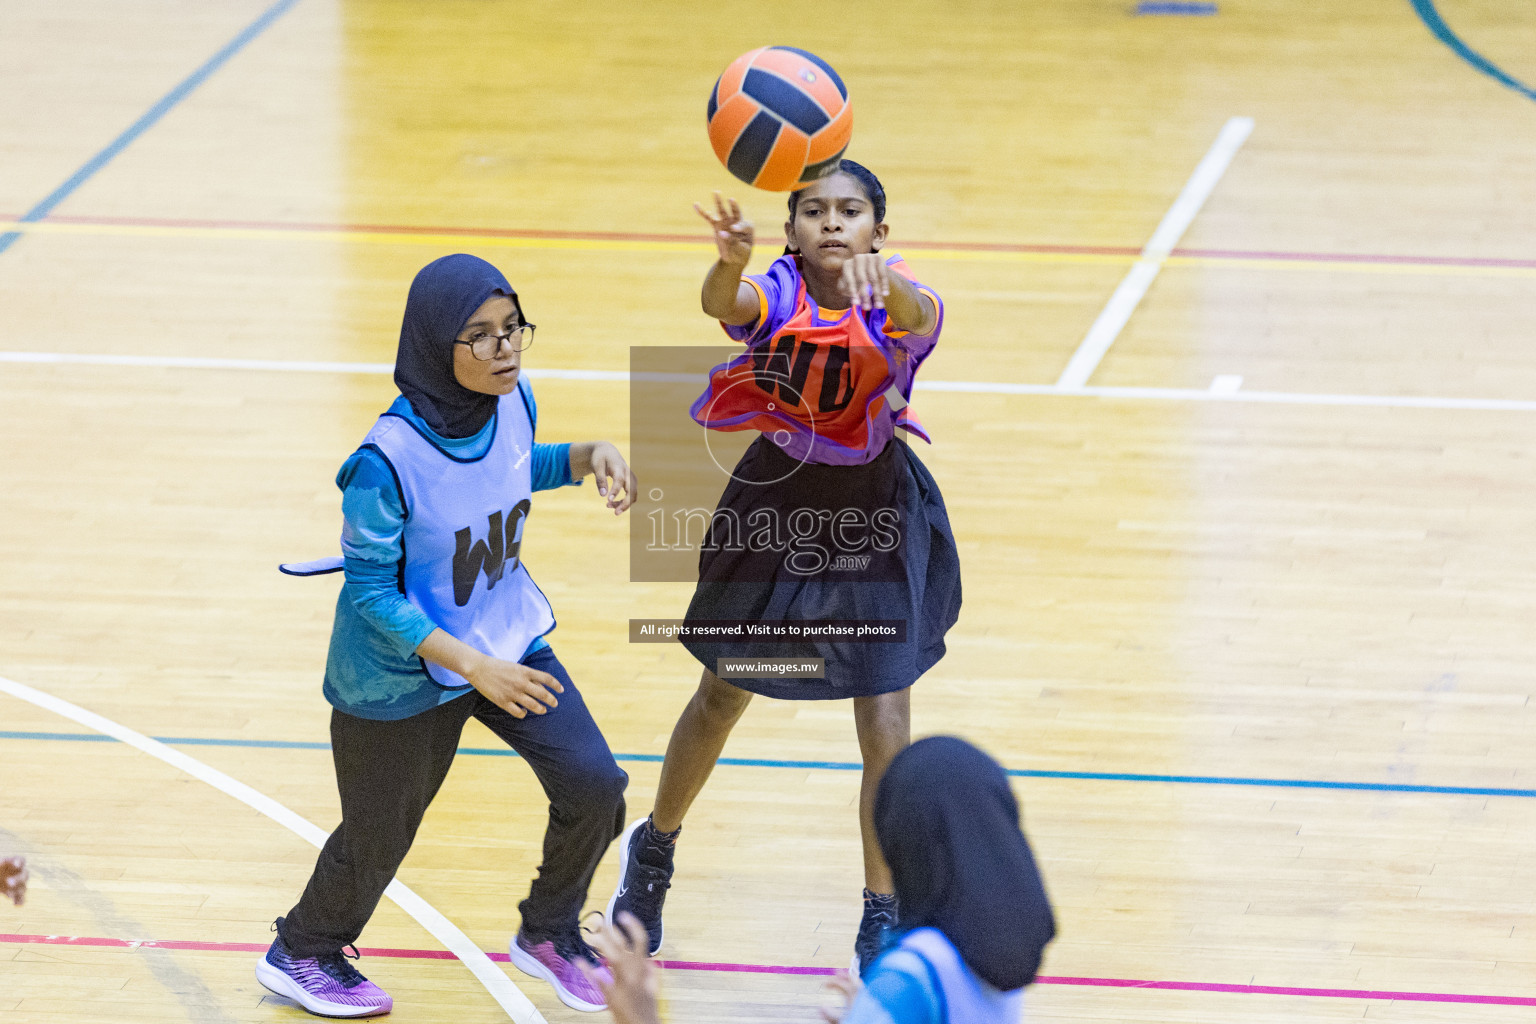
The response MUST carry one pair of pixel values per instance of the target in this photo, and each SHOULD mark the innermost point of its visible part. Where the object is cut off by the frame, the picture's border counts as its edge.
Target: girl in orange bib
(830, 526)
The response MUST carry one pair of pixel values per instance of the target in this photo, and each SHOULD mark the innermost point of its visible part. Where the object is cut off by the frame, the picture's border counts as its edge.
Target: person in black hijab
(975, 919)
(949, 827)
(439, 622)
(442, 297)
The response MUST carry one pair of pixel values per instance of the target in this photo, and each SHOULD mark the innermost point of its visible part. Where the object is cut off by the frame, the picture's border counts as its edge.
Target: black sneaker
(644, 880)
(874, 935)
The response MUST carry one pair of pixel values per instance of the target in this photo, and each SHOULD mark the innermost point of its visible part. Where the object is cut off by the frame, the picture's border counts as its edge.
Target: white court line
(443, 930)
(1238, 397)
(279, 365)
(1143, 272)
(193, 362)
(961, 386)
(1226, 383)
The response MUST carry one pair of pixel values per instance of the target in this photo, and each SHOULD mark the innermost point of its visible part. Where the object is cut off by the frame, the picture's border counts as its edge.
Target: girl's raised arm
(725, 296)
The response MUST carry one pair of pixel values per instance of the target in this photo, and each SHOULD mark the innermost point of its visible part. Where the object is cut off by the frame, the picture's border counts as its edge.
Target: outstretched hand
(732, 231)
(615, 480)
(629, 984)
(866, 280)
(846, 986)
(515, 688)
(13, 879)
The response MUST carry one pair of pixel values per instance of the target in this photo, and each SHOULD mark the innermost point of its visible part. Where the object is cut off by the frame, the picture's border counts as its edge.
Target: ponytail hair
(873, 191)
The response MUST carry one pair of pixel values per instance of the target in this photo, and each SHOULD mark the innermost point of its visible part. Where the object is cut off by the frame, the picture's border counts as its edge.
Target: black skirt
(855, 565)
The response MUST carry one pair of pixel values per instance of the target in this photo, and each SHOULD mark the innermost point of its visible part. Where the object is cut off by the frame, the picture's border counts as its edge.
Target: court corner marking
(1133, 287)
(147, 120)
(509, 996)
(1437, 26)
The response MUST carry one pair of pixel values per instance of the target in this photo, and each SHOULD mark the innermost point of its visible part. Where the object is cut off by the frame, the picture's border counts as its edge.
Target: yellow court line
(466, 239)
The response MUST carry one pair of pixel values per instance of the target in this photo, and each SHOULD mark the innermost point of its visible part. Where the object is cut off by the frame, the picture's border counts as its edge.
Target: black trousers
(388, 772)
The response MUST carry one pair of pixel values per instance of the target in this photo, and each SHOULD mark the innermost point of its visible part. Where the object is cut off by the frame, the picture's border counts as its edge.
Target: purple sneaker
(325, 985)
(555, 961)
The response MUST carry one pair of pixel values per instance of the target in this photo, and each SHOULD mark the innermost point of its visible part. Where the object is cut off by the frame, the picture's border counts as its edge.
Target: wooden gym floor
(1249, 615)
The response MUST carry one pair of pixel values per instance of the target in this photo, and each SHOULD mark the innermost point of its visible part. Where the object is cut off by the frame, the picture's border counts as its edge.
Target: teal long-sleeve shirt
(373, 670)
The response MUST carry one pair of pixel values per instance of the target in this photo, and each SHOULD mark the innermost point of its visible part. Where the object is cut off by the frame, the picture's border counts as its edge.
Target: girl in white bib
(440, 622)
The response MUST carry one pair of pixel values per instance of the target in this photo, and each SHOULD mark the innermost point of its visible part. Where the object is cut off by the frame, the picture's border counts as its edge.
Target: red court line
(570, 236)
(630, 236)
(692, 965)
(378, 229)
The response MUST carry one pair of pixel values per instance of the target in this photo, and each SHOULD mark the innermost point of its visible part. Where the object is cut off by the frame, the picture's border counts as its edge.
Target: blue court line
(845, 766)
(1436, 24)
(151, 116)
(1177, 7)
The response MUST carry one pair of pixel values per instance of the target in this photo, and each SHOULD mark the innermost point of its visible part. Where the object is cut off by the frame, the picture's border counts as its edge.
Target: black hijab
(949, 827)
(442, 298)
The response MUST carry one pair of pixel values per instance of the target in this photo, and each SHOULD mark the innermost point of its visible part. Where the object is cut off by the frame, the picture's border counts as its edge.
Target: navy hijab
(443, 296)
(948, 825)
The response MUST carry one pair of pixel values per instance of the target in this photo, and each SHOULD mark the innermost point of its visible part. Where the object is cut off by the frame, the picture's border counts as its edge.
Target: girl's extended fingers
(736, 211)
(621, 479)
(633, 931)
(705, 214)
(876, 283)
(537, 699)
(602, 940)
(720, 205)
(866, 285)
(603, 981)
(545, 680)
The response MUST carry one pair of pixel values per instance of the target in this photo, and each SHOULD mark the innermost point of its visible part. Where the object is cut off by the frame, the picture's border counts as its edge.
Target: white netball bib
(967, 999)
(463, 532)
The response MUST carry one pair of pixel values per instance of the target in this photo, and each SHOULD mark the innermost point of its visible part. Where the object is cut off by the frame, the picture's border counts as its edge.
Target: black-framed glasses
(486, 347)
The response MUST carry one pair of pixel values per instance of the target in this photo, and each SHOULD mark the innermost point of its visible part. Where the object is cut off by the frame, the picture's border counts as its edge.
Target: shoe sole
(625, 842)
(276, 981)
(531, 967)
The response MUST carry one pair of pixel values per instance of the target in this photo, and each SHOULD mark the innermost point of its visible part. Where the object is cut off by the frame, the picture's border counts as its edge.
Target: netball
(779, 118)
